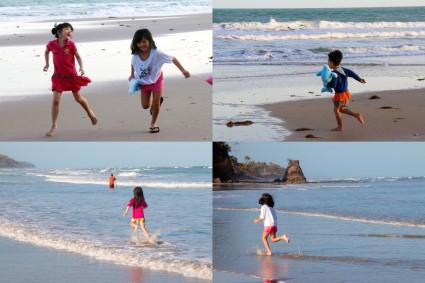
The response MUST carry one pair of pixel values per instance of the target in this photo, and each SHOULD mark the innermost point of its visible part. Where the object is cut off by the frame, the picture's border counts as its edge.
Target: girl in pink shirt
(138, 203)
(65, 77)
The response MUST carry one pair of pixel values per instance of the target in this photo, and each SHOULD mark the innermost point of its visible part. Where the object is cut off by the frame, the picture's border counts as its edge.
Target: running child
(138, 203)
(340, 84)
(65, 77)
(268, 215)
(146, 64)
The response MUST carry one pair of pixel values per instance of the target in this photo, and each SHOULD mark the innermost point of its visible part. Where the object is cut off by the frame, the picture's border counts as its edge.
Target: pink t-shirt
(63, 58)
(137, 211)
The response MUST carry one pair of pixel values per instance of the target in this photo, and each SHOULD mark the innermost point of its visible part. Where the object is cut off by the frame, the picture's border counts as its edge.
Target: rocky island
(7, 162)
(227, 169)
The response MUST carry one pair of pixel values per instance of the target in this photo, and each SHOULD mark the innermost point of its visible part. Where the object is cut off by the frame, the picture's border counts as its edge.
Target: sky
(341, 159)
(106, 154)
(314, 3)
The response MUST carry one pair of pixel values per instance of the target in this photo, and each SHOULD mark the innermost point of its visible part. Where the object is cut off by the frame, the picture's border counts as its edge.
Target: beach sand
(400, 120)
(185, 116)
(26, 263)
(186, 113)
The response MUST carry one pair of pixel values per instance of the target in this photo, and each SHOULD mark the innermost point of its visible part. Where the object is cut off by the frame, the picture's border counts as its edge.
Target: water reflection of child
(268, 215)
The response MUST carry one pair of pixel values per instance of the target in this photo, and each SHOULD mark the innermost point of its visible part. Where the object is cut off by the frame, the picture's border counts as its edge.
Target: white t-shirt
(269, 216)
(147, 72)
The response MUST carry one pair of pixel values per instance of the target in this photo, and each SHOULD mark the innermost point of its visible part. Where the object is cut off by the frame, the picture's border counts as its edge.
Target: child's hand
(363, 81)
(130, 77)
(46, 67)
(125, 214)
(82, 71)
(186, 74)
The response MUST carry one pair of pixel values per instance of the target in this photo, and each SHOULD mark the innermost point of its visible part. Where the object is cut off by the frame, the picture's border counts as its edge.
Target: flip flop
(160, 103)
(154, 130)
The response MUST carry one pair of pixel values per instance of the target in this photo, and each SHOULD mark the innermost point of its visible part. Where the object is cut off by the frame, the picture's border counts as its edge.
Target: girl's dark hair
(138, 196)
(57, 29)
(266, 199)
(335, 57)
(138, 36)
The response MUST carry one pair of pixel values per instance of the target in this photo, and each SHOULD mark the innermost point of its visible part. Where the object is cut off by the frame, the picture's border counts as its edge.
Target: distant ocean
(305, 36)
(342, 230)
(74, 210)
(29, 10)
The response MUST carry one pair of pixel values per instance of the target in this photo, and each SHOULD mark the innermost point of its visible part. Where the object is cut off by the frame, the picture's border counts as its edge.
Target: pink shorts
(270, 229)
(158, 86)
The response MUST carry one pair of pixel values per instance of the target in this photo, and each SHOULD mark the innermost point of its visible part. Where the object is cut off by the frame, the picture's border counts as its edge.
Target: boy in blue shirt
(340, 85)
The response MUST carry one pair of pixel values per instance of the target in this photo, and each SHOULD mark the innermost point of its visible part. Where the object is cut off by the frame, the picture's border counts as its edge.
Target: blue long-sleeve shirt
(340, 84)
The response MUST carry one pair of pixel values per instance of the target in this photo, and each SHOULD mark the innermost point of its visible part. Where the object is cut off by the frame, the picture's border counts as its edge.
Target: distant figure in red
(112, 181)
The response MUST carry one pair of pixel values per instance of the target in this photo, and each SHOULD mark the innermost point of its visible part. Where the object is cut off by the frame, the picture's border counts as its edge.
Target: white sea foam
(103, 251)
(132, 183)
(43, 9)
(274, 25)
(320, 36)
(335, 216)
(128, 174)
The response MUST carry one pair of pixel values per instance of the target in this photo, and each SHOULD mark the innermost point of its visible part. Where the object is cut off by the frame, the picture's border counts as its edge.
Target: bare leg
(84, 103)
(338, 116)
(277, 239)
(134, 225)
(145, 232)
(156, 106)
(146, 99)
(358, 116)
(266, 243)
(55, 112)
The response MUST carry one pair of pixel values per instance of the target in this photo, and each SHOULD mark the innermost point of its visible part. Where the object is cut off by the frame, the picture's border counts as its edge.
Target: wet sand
(397, 116)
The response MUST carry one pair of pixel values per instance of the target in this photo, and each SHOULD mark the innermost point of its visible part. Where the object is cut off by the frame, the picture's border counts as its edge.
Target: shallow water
(74, 210)
(356, 230)
(265, 56)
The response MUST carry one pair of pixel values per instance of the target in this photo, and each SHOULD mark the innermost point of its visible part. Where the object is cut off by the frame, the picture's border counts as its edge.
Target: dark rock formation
(6, 162)
(222, 166)
(294, 173)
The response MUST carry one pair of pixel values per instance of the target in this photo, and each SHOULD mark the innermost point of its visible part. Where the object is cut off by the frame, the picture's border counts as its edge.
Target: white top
(147, 72)
(269, 216)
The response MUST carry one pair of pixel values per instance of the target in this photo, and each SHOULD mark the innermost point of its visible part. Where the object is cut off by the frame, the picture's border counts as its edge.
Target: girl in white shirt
(146, 64)
(268, 215)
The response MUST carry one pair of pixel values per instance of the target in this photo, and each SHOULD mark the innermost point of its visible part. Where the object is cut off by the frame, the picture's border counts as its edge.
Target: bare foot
(93, 118)
(360, 118)
(286, 238)
(51, 133)
(338, 129)
(269, 253)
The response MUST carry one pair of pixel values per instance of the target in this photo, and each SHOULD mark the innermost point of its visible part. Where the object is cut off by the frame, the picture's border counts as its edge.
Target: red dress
(65, 75)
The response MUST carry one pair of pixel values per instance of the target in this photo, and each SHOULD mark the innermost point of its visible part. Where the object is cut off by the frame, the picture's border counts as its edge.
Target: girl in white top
(268, 215)
(146, 64)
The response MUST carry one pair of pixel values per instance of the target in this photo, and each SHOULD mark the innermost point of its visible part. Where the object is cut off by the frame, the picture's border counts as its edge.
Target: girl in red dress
(65, 77)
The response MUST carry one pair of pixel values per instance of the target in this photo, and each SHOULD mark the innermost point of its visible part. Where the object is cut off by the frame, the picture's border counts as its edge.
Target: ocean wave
(321, 36)
(128, 174)
(336, 216)
(316, 55)
(370, 179)
(151, 184)
(274, 25)
(102, 251)
(15, 11)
